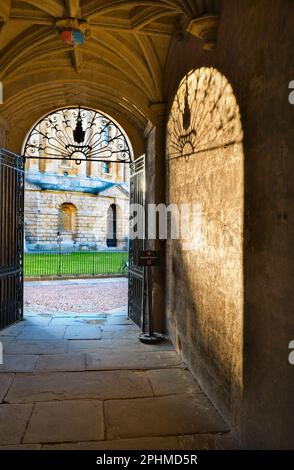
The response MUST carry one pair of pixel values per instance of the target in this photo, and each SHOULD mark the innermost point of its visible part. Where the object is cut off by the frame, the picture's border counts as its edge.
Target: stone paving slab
(29, 388)
(76, 321)
(13, 330)
(36, 347)
(189, 442)
(83, 332)
(62, 362)
(128, 360)
(7, 339)
(13, 422)
(178, 414)
(209, 442)
(151, 401)
(5, 382)
(65, 421)
(173, 381)
(90, 345)
(119, 320)
(21, 447)
(18, 363)
(31, 333)
(131, 344)
(118, 329)
(83, 316)
(43, 320)
(145, 443)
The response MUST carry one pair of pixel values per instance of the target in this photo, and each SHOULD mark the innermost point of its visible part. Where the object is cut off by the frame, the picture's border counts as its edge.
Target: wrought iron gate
(11, 237)
(136, 272)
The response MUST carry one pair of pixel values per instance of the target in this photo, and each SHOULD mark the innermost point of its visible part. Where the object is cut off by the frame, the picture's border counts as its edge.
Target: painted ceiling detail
(119, 64)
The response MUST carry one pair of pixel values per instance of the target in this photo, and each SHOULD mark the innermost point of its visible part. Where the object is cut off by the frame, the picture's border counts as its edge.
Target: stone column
(156, 194)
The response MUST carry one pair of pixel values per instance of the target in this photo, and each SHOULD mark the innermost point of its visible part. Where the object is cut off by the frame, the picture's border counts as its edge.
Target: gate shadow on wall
(205, 288)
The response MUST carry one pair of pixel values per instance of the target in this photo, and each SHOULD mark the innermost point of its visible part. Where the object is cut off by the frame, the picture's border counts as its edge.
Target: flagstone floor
(86, 382)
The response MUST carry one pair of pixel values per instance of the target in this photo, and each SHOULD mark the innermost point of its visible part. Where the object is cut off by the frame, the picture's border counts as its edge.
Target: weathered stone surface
(78, 385)
(120, 331)
(118, 320)
(128, 360)
(13, 330)
(31, 333)
(41, 320)
(65, 421)
(83, 332)
(5, 382)
(37, 347)
(144, 443)
(209, 442)
(84, 345)
(18, 363)
(61, 362)
(189, 442)
(179, 414)
(78, 321)
(173, 381)
(13, 421)
(21, 447)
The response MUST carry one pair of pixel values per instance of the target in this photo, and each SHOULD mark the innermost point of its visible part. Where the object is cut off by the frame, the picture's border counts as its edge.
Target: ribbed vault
(120, 68)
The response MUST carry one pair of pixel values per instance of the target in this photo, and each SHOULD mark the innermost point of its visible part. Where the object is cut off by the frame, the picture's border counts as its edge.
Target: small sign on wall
(149, 258)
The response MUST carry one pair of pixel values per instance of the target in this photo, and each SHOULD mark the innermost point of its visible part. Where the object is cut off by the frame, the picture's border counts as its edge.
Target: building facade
(65, 208)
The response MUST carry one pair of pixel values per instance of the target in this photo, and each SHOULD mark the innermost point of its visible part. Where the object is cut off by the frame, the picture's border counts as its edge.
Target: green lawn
(74, 264)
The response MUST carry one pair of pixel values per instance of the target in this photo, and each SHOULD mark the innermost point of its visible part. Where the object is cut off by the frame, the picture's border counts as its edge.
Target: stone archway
(205, 276)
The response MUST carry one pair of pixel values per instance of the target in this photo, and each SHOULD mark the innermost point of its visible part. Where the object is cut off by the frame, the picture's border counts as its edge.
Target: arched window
(67, 220)
(112, 227)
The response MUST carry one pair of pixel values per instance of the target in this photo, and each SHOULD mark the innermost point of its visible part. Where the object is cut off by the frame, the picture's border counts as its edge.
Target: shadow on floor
(86, 382)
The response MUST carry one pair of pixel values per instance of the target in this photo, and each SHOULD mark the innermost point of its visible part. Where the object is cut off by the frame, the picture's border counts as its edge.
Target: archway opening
(77, 211)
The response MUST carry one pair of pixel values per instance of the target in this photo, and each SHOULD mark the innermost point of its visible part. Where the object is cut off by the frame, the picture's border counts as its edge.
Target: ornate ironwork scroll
(204, 116)
(78, 134)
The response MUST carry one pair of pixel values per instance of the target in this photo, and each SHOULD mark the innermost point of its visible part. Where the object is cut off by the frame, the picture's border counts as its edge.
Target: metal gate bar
(136, 272)
(11, 237)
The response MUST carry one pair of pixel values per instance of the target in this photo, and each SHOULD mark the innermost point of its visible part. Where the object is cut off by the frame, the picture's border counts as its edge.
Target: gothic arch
(78, 134)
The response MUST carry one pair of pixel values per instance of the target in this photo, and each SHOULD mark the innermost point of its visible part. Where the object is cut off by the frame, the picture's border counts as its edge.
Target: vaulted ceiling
(119, 69)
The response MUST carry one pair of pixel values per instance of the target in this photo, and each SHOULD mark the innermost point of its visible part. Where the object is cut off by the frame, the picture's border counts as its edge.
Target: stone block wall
(231, 303)
(205, 268)
(42, 219)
